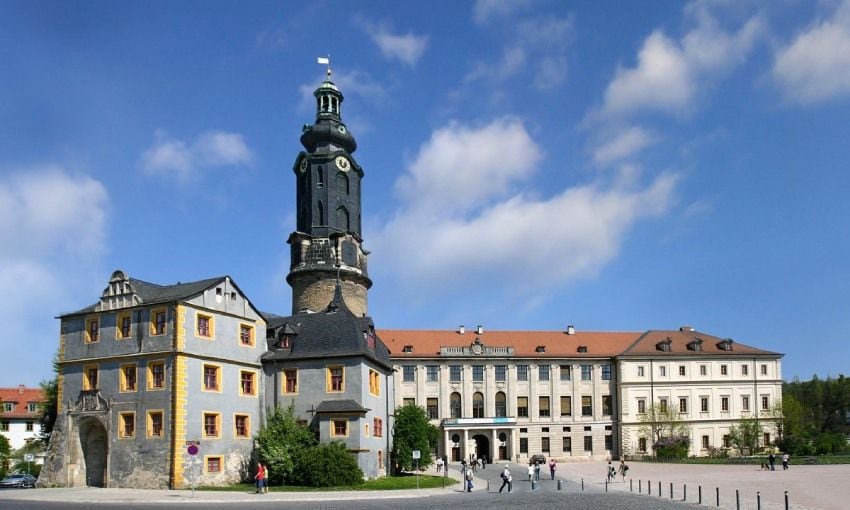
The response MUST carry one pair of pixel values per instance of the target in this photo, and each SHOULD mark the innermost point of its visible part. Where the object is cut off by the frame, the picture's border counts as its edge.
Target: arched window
(501, 405)
(455, 405)
(324, 103)
(341, 183)
(478, 405)
(320, 177)
(321, 214)
(342, 218)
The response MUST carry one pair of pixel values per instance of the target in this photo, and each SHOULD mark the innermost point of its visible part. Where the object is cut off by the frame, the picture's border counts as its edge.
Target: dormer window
(725, 345)
(540, 348)
(370, 339)
(664, 345)
(285, 342)
(695, 345)
(582, 348)
(407, 348)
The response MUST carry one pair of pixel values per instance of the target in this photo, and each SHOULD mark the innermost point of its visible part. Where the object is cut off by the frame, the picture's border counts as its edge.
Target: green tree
(667, 430)
(413, 432)
(281, 442)
(745, 435)
(5, 455)
(328, 465)
(49, 407)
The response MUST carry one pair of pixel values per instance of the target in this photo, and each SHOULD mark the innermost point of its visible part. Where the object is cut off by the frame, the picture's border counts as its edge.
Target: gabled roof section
(124, 291)
(682, 342)
(340, 406)
(20, 397)
(558, 344)
(333, 332)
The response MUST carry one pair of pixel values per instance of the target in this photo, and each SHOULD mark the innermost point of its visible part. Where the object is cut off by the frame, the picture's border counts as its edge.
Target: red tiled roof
(427, 343)
(525, 343)
(647, 345)
(20, 396)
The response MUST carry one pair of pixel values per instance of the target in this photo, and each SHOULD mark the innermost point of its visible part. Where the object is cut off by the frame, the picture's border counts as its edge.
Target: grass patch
(390, 483)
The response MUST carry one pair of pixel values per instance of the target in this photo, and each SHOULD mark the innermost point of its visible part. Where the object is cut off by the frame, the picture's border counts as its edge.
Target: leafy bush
(280, 444)
(328, 465)
(672, 447)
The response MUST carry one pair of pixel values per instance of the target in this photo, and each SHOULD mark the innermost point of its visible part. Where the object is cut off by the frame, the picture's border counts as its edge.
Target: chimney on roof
(461, 330)
(571, 330)
(21, 389)
(686, 329)
(480, 329)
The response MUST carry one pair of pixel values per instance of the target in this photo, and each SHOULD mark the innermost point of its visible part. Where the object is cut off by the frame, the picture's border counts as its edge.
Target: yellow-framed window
(374, 382)
(247, 383)
(123, 325)
(211, 425)
(92, 333)
(159, 321)
(213, 464)
(129, 377)
(204, 325)
(378, 427)
(290, 381)
(242, 426)
(156, 375)
(246, 335)
(211, 377)
(339, 427)
(155, 424)
(335, 379)
(127, 425)
(91, 374)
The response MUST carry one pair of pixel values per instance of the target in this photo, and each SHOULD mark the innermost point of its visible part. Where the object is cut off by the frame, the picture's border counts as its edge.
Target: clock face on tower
(342, 163)
(303, 165)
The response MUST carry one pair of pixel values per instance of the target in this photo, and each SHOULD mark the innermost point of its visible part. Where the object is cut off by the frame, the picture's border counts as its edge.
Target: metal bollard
(671, 490)
(559, 484)
(758, 500)
(786, 500)
(659, 489)
(533, 484)
(717, 489)
(631, 488)
(737, 500)
(606, 485)
(699, 494)
(582, 484)
(640, 486)
(684, 492)
(649, 487)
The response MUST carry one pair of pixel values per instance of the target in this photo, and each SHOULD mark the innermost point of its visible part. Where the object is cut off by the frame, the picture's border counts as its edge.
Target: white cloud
(551, 73)
(459, 167)
(177, 157)
(408, 48)
(622, 145)
(816, 65)
(512, 61)
(670, 73)
(53, 225)
(486, 10)
(470, 211)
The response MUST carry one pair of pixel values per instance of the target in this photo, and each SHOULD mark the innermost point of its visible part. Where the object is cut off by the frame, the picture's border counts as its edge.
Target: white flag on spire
(323, 60)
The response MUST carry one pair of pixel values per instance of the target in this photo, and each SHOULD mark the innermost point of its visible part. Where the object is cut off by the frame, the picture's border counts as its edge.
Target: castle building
(167, 385)
(150, 370)
(571, 394)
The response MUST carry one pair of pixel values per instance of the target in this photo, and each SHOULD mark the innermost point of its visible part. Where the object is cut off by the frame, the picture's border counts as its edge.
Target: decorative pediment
(476, 348)
(118, 294)
(90, 401)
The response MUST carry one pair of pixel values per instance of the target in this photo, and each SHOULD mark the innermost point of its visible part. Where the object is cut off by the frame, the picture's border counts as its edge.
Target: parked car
(22, 481)
(538, 458)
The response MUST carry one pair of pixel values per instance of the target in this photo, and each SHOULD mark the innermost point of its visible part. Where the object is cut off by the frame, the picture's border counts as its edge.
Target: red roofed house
(20, 416)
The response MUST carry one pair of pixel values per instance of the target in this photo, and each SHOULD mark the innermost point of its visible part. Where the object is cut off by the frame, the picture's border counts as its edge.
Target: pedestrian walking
(507, 479)
(469, 479)
(530, 471)
(785, 459)
(260, 478)
(439, 464)
(537, 471)
(624, 469)
(771, 460)
(552, 467)
(611, 473)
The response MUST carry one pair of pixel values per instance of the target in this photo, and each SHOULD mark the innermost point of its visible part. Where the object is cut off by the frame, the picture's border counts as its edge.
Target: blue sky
(620, 166)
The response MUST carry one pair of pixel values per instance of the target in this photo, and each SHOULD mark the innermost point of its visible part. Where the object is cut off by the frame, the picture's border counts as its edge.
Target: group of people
(262, 478)
(623, 470)
(771, 462)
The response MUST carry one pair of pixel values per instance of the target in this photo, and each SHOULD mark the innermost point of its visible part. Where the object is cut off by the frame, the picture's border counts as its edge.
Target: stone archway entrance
(95, 447)
(482, 447)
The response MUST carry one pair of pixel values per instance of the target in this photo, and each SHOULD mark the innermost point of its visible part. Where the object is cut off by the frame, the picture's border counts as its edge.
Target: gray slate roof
(333, 332)
(340, 406)
(151, 293)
